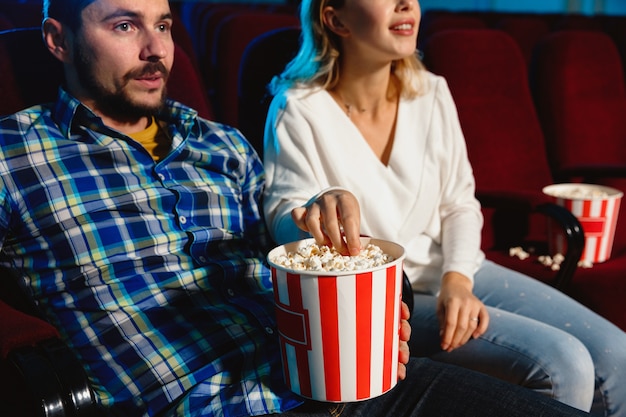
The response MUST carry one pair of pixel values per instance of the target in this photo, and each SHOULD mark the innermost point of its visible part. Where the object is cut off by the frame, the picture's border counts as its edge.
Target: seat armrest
(35, 382)
(18, 329)
(32, 351)
(78, 393)
(537, 202)
(575, 237)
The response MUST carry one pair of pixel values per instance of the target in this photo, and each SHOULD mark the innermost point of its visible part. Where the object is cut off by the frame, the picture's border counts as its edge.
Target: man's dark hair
(65, 11)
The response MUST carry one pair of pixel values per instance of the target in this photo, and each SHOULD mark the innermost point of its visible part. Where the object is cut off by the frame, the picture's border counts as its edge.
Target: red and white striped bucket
(596, 207)
(339, 330)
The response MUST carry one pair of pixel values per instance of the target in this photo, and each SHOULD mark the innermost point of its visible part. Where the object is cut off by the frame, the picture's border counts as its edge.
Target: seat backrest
(191, 14)
(526, 30)
(208, 23)
(31, 75)
(183, 38)
(574, 21)
(22, 14)
(5, 22)
(615, 26)
(186, 85)
(578, 83)
(266, 56)
(231, 38)
(211, 18)
(436, 21)
(488, 79)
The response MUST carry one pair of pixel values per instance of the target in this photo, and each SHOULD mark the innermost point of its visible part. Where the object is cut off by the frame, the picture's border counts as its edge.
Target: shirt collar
(69, 111)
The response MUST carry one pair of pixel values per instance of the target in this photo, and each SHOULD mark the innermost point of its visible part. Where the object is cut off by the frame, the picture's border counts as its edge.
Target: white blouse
(423, 199)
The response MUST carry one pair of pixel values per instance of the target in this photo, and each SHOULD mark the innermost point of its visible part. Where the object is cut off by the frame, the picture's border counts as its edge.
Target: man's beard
(117, 104)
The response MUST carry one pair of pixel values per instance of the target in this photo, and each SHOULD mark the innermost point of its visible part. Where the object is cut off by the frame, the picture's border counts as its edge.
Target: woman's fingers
(483, 322)
(332, 219)
(460, 324)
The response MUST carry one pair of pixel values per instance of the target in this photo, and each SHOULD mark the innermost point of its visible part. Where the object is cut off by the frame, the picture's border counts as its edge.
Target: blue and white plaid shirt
(152, 271)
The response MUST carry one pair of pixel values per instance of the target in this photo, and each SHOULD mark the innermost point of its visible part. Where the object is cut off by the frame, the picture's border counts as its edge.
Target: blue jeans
(538, 338)
(437, 389)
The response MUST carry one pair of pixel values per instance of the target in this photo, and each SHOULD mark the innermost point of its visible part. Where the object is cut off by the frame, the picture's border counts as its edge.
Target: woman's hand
(405, 335)
(329, 218)
(461, 314)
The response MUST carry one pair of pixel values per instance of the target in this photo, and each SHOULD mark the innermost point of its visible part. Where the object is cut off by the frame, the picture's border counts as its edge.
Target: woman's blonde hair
(317, 60)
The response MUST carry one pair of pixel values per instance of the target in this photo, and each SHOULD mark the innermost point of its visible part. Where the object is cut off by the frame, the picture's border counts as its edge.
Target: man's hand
(461, 314)
(405, 335)
(329, 218)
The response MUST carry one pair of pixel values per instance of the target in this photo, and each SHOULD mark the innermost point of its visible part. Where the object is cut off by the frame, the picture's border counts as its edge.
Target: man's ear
(333, 22)
(56, 39)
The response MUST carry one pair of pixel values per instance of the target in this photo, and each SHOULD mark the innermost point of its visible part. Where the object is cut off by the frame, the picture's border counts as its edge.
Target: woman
(355, 110)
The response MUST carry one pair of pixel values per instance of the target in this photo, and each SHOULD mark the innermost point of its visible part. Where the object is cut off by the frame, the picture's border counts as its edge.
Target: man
(136, 227)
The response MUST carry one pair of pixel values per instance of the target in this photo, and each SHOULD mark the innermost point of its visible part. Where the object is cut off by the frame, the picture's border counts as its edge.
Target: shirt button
(182, 219)
(269, 330)
(162, 177)
(230, 292)
(202, 259)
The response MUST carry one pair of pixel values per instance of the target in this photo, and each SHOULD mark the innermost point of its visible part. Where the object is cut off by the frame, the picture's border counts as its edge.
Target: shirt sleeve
(460, 212)
(292, 175)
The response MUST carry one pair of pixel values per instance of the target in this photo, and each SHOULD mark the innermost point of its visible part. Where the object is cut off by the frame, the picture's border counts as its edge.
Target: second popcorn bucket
(597, 208)
(339, 331)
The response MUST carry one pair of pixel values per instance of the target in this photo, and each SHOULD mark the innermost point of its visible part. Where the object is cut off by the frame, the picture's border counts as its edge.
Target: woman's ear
(333, 21)
(55, 37)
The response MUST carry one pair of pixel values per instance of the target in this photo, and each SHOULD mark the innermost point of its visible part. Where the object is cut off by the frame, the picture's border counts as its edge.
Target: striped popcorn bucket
(596, 207)
(339, 330)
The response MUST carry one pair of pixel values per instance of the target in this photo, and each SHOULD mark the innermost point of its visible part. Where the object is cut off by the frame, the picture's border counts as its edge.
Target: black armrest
(41, 392)
(55, 382)
(574, 236)
(78, 394)
(536, 202)
(46, 374)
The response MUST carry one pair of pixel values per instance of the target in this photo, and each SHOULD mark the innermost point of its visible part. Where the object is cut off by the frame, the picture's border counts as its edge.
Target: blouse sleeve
(460, 212)
(293, 176)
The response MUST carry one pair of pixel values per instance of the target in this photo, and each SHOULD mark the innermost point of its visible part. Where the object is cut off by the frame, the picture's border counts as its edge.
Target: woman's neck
(365, 94)
(371, 103)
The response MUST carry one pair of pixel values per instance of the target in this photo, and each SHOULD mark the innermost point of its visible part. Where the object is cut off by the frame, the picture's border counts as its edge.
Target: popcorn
(545, 260)
(519, 252)
(581, 193)
(552, 262)
(314, 257)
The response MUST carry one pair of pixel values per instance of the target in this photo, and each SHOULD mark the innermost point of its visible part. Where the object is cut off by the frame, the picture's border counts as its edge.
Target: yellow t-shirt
(153, 139)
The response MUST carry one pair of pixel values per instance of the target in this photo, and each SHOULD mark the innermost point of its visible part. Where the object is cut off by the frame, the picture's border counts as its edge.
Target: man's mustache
(150, 68)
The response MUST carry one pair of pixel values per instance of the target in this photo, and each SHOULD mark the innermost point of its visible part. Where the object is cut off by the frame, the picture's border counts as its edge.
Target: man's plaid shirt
(152, 271)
